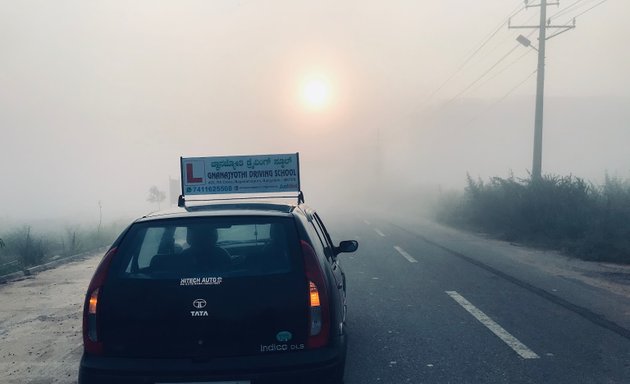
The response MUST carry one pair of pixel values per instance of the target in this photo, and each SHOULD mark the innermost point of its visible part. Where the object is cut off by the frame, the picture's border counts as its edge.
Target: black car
(247, 292)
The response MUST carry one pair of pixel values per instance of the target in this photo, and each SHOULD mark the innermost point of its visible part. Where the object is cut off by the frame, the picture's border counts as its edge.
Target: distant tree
(156, 196)
(72, 243)
(2, 244)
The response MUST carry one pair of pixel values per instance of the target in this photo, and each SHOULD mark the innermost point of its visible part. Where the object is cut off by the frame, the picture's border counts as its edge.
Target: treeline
(564, 213)
(25, 247)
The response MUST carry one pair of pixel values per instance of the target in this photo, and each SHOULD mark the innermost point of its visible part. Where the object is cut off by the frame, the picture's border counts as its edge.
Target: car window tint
(150, 245)
(231, 246)
(179, 237)
(245, 233)
(316, 239)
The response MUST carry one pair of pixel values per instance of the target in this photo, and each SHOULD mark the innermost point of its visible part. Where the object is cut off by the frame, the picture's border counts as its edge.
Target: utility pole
(100, 216)
(540, 93)
(540, 81)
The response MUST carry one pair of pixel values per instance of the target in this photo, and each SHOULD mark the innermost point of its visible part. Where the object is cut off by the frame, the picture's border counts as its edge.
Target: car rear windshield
(219, 246)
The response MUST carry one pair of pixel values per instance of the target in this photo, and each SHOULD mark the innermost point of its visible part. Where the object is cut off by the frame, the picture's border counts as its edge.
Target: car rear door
(339, 275)
(157, 303)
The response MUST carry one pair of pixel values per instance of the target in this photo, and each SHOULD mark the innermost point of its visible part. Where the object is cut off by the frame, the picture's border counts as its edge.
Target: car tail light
(319, 313)
(314, 295)
(91, 342)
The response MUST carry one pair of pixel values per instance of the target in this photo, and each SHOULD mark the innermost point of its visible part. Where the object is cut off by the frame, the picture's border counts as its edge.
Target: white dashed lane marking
(405, 254)
(381, 234)
(495, 328)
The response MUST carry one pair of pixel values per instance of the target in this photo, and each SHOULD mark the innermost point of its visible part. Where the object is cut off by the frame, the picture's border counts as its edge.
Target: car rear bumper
(315, 366)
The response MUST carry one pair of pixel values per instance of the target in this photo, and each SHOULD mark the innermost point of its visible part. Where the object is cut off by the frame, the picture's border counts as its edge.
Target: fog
(99, 99)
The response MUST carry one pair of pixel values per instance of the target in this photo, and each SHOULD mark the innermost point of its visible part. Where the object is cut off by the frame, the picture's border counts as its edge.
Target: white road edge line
(366, 222)
(405, 254)
(504, 335)
(381, 234)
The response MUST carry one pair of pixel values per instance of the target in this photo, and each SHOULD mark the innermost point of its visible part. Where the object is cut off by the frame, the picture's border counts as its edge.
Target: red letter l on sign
(190, 178)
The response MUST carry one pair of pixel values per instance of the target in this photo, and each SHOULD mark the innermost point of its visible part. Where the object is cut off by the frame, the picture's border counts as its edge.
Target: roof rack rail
(181, 201)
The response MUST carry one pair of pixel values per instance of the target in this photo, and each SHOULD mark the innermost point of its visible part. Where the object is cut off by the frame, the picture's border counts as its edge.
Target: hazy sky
(98, 99)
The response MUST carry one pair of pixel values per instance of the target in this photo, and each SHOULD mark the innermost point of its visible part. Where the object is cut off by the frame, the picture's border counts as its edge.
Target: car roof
(228, 208)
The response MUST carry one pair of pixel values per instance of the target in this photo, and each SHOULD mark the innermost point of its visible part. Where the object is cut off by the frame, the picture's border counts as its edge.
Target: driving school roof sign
(240, 174)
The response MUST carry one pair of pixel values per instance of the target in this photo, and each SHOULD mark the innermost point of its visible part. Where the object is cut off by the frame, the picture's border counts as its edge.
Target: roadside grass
(24, 247)
(563, 213)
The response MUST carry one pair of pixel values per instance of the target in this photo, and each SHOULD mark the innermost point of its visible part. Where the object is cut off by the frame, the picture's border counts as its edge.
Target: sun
(316, 92)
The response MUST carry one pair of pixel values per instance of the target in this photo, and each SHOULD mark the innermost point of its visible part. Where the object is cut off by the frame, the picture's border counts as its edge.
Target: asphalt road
(409, 288)
(426, 305)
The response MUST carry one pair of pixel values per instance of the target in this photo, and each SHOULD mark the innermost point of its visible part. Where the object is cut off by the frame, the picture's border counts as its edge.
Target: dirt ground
(40, 324)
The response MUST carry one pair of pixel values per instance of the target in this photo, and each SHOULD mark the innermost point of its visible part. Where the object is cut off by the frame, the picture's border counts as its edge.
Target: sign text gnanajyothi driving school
(240, 174)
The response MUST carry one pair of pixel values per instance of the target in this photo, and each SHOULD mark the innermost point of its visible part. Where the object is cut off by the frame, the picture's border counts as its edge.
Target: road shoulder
(602, 288)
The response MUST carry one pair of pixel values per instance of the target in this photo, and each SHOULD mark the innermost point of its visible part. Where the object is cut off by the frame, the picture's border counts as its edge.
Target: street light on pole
(526, 42)
(542, 27)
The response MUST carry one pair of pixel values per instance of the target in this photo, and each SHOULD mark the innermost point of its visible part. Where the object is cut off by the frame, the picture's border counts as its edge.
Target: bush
(77, 240)
(29, 248)
(558, 212)
(23, 248)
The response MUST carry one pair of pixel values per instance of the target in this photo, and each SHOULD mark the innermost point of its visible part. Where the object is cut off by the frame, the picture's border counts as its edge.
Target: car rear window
(221, 246)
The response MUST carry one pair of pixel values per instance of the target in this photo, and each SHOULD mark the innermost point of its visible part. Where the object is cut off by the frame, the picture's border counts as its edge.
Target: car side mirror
(347, 246)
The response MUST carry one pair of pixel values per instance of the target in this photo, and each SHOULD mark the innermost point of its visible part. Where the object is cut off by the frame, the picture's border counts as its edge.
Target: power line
(494, 33)
(475, 51)
(498, 101)
(466, 61)
(568, 8)
(573, 7)
(476, 84)
(515, 88)
(471, 85)
(510, 65)
(506, 39)
(591, 8)
(495, 65)
(502, 70)
(483, 75)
